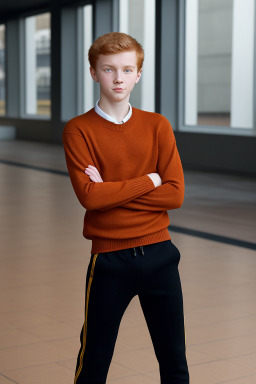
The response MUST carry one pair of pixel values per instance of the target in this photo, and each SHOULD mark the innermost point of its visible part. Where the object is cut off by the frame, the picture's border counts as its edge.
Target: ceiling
(13, 8)
(16, 6)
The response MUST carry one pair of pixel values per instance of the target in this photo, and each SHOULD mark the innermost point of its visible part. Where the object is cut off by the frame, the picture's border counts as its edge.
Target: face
(114, 71)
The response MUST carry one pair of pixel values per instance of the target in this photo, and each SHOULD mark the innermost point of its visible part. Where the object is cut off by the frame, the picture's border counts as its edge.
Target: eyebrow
(112, 66)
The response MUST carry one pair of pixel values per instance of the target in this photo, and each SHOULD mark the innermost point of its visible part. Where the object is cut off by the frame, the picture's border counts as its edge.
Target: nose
(118, 77)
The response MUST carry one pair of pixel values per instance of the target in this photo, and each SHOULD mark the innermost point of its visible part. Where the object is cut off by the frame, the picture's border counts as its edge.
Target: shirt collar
(110, 118)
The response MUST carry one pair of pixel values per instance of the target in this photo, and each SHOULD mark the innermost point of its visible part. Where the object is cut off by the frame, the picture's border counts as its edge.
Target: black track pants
(112, 280)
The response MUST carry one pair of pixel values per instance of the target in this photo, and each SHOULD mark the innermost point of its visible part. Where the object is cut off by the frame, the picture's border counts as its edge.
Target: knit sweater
(126, 209)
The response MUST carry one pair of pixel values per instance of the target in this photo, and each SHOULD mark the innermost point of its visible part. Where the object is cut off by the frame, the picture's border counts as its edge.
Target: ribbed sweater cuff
(142, 184)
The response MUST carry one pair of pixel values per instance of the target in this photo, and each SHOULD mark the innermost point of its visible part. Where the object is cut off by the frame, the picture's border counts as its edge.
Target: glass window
(219, 51)
(88, 40)
(2, 69)
(38, 65)
(137, 18)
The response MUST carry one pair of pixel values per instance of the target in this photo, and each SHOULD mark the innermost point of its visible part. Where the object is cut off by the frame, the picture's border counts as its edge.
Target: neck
(117, 110)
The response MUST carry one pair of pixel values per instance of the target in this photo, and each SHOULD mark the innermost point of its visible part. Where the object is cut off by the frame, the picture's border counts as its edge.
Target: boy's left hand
(93, 173)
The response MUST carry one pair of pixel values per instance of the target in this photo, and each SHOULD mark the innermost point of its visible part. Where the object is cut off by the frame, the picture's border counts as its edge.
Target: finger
(95, 179)
(95, 175)
(91, 167)
(92, 176)
(89, 171)
(93, 171)
(89, 174)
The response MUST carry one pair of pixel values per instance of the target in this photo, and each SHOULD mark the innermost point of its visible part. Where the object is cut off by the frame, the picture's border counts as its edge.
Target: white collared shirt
(109, 118)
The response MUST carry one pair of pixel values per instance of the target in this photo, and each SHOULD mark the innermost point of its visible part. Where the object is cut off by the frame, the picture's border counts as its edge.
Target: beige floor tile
(51, 331)
(227, 348)
(31, 354)
(119, 371)
(221, 330)
(138, 360)
(68, 364)
(135, 379)
(25, 318)
(248, 361)
(214, 372)
(71, 345)
(15, 337)
(137, 337)
(244, 380)
(5, 380)
(42, 374)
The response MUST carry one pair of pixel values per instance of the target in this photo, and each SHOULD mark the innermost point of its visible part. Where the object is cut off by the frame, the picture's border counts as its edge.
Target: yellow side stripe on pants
(85, 320)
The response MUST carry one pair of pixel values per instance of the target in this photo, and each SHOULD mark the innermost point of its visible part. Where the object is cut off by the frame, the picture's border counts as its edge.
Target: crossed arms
(138, 193)
(155, 200)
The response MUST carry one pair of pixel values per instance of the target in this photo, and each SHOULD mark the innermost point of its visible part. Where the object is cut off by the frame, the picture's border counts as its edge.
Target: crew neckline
(113, 126)
(109, 117)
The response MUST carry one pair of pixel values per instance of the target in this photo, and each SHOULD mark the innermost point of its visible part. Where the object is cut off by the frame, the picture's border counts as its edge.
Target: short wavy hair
(115, 42)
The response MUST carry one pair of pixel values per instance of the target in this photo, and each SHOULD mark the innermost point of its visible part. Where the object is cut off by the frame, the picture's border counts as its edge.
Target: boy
(126, 171)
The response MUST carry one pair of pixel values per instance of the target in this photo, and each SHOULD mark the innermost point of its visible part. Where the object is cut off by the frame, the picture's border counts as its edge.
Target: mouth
(117, 89)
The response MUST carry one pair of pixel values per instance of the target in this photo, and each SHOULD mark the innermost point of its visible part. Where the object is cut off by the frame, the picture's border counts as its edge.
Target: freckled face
(115, 71)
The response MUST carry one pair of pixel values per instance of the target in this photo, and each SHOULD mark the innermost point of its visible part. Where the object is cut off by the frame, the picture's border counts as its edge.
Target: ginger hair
(115, 42)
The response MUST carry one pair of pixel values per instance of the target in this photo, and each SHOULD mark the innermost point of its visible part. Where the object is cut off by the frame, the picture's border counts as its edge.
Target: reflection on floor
(44, 258)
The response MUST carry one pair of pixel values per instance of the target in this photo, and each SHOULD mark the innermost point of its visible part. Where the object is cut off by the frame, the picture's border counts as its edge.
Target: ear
(93, 74)
(138, 75)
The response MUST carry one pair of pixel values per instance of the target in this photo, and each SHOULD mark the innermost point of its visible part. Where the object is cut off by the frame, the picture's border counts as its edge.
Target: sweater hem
(101, 245)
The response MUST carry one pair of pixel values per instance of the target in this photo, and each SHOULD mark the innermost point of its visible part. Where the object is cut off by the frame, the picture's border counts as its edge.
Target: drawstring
(141, 248)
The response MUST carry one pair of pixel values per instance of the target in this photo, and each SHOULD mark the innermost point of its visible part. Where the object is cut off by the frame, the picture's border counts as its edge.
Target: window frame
(212, 129)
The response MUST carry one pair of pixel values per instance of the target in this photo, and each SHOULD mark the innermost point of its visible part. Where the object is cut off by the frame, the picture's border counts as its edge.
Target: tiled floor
(43, 262)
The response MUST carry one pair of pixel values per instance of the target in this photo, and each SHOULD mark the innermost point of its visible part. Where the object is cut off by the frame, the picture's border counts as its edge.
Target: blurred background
(199, 72)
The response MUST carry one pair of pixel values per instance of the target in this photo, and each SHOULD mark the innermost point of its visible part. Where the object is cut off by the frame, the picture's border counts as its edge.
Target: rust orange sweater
(126, 209)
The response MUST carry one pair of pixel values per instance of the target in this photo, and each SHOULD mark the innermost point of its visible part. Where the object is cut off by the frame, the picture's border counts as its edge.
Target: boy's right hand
(155, 177)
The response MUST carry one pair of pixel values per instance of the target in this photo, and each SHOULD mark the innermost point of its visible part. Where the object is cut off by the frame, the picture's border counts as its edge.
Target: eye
(107, 69)
(128, 70)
